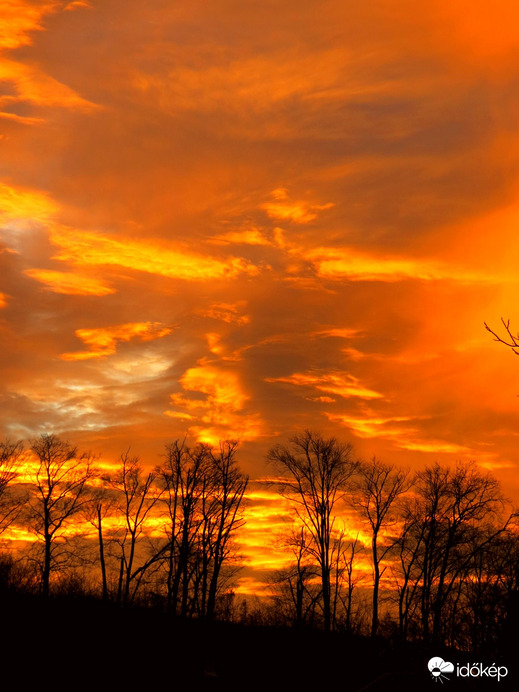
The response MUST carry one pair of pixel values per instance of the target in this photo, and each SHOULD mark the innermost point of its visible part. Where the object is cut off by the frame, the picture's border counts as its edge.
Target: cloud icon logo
(438, 667)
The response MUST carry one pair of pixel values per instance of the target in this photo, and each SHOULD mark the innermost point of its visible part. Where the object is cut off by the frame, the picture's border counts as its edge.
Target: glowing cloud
(434, 446)
(103, 341)
(340, 332)
(298, 212)
(373, 426)
(354, 266)
(34, 86)
(18, 19)
(88, 248)
(227, 312)
(218, 414)
(21, 204)
(250, 236)
(77, 5)
(3, 300)
(69, 283)
(344, 385)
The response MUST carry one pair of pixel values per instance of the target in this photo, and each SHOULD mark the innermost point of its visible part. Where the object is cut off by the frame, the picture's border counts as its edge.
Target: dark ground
(84, 644)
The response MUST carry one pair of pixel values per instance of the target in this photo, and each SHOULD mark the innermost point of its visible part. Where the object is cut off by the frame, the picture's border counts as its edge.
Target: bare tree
(59, 486)
(224, 511)
(203, 493)
(100, 507)
(511, 340)
(350, 580)
(316, 473)
(443, 537)
(378, 487)
(137, 497)
(182, 478)
(295, 590)
(10, 456)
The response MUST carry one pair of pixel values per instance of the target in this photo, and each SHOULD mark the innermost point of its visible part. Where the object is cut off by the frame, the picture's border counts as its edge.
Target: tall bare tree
(10, 457)
(376, 491)
(182, 477)
(316, 472)
(443, 536)
(203, 492)
(224, 511)
(59, 485)
(137, 495)
(100, 508)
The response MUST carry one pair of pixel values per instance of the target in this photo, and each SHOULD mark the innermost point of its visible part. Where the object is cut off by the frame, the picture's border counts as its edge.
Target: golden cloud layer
(18, 19)
(26, 205)
(69, 283)
(355, 266)
(300, 212)
(103, 340)
(33, 86)
(344, 385)
(220, 413)
(155, 257)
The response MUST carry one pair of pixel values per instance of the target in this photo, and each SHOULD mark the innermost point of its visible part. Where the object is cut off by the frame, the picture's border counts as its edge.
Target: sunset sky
(236, 219)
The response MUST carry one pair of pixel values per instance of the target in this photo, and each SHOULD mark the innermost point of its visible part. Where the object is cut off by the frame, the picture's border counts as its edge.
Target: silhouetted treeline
(431, 556)
(164, 536)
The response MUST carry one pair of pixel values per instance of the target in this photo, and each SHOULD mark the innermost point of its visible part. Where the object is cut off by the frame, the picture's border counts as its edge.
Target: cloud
(32, 85)
(221, 412)
(103, 340)
(155, 257)
(77, 5)
(372, 426)
(282, 209)
(345, 386)
(349, 264)
(18, 19)
(226, 312)
(250, 236)
(19, 204)
(69, 283)
(340, 332)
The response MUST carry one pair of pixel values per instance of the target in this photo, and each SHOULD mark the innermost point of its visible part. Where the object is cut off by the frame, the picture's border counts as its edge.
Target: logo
(438, 667)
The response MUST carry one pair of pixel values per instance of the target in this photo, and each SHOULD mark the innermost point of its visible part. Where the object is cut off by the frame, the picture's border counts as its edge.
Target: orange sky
(237, 219)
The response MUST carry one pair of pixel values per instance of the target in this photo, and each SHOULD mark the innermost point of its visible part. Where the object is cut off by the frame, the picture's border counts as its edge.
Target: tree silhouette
(379, 485)
(59, 485)
(510, 340)
(316, 474)
(135, 498)
(10, 456)
(223, 512)
(203, 493)
(182, 478)
(441, 537)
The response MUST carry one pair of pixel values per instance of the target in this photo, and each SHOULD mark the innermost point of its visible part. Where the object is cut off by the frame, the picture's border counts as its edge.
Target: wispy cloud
(94, 249)
(220, 413)
(343, 385)
(70, 283)
(282, 208)
(103, 340)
